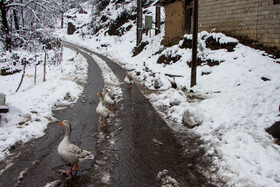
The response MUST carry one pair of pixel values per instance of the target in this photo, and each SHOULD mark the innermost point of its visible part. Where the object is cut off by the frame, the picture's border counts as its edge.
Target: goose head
(99, 94)
(67, 125)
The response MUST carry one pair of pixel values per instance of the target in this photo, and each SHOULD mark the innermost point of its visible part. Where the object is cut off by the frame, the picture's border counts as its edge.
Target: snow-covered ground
(239, 105)
(30, 109)
(237, 108)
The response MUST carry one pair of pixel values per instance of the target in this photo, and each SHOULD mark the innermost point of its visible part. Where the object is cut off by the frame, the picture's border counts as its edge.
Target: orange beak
(61, 123)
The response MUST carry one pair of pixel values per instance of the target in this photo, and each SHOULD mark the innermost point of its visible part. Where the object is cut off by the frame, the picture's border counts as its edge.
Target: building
(257, 20)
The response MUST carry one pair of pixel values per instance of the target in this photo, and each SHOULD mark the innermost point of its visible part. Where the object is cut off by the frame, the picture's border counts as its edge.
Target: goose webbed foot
(75, 168)
(105, 123)
(67, 172)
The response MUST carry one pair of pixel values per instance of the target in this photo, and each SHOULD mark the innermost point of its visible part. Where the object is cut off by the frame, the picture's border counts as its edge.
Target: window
(275, 2)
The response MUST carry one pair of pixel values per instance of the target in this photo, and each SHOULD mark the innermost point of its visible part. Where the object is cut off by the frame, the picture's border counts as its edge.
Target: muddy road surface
(135, 149)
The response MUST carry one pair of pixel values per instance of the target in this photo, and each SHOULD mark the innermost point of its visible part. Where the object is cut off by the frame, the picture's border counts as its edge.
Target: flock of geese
(72, 154)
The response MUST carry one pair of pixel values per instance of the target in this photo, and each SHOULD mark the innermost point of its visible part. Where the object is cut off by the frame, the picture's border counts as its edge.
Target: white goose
(110, 100)
(101, 110)
(128, 80)
(70, 153)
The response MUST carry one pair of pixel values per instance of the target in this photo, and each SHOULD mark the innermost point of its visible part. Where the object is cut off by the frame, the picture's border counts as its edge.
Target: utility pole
(157, 20)
(139, 22)
(194, 43)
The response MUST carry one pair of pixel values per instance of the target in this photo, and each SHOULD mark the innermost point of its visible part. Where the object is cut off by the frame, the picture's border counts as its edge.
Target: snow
(236, 108)
(30, 109)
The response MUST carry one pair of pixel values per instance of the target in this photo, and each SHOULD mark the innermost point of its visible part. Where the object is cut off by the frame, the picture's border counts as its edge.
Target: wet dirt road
(131, 151)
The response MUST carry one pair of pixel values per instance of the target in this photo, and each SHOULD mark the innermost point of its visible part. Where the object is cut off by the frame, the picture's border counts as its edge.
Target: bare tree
(5, 26)
(20, 17)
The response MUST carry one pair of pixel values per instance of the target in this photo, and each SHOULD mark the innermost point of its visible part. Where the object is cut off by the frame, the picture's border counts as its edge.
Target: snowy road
(135, 148)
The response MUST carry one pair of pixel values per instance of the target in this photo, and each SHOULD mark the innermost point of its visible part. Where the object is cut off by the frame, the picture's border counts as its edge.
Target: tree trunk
(4, 17)
(62, 14)
(22, 16)
(5, 28)
(16, 20)
(62, 20)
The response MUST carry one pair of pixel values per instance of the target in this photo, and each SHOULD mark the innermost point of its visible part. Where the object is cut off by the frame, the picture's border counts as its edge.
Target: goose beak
(61, 123)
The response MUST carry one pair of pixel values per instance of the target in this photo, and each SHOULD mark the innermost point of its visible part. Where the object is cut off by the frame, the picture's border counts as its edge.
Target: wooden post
(61, 53)
(35, 76)
(194, 43)
(45, 59)
(157, 20)
(139, 22)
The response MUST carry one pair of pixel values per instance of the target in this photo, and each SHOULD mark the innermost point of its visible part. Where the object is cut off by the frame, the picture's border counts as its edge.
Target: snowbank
(31, 107)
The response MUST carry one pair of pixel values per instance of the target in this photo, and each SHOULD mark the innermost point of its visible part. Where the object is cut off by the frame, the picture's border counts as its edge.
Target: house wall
(174, 15)
(256, 19)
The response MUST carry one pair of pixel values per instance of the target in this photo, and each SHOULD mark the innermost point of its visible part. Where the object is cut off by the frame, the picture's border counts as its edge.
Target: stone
(71, 28)
(158, 83)
(274, 130)
(192, 118)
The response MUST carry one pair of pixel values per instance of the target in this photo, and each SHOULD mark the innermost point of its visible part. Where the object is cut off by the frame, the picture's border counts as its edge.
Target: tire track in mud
(105, 155)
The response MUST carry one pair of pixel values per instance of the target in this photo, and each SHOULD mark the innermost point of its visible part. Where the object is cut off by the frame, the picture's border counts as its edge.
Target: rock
(71, 28)
(215, 44)
(206, 70)
(183, 88)
(265, 79)
(192, 118)
(158, 83)
(166, 180)
(175, 102)
(168, 59)
(187, 43)
(274, 130)
(138, 49)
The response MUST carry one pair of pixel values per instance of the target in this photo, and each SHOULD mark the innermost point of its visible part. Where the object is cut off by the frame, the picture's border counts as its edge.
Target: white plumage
(128, 80)
(70, 153)
(101, 110)
(110, 100)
